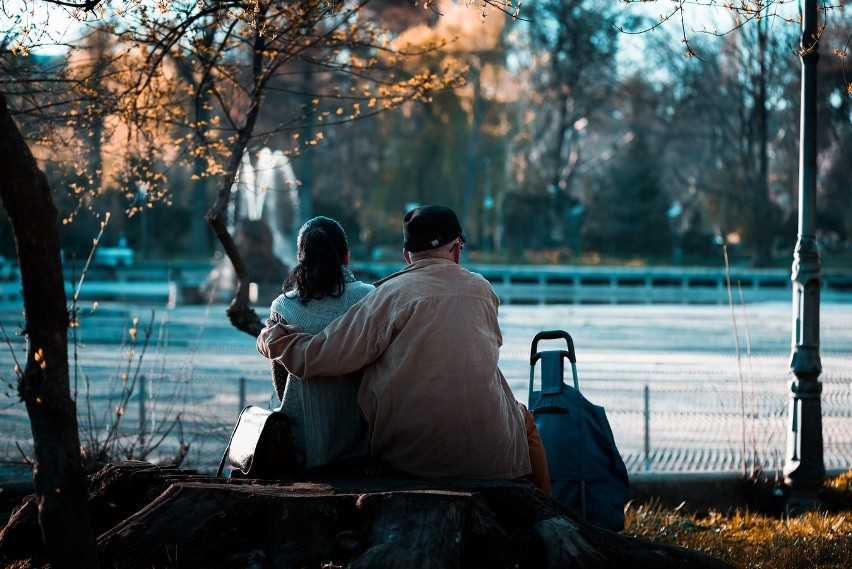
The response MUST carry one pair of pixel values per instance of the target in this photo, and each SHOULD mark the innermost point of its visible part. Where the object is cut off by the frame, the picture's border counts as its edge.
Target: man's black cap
(430, 226)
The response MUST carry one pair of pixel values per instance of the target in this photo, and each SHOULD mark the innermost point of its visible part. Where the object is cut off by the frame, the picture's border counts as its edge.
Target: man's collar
(418, 264)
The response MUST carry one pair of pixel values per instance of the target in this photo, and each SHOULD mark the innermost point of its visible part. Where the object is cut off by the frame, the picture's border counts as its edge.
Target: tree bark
(60, 483)
(153, 517)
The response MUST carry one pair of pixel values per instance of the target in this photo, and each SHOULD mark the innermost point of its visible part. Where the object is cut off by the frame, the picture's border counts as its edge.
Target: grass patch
(820, 539)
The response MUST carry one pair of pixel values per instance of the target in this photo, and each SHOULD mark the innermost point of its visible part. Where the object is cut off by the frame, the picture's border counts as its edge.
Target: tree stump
(147, 516)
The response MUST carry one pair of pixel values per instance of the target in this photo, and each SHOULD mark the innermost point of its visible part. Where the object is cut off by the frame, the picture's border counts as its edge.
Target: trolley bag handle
(552, 368)
(552, 335)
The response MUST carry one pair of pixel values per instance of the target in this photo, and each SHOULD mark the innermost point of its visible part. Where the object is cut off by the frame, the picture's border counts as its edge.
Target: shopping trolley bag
(587, 472)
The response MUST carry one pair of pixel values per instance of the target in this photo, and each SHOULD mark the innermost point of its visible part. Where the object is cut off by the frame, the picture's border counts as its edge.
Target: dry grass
(817, 540)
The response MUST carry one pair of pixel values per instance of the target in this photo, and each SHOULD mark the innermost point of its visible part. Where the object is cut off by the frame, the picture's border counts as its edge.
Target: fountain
(268, 191)
(264, 218)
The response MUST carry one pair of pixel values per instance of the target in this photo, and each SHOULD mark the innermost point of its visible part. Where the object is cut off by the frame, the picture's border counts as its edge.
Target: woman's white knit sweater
(325, 419)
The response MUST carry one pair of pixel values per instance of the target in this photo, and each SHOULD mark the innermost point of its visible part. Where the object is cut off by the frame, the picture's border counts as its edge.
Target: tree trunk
(764, 220)
(473, 146)
(152, 517)
(202, 104)
(60, 483)
(760, 217)
(241, 314)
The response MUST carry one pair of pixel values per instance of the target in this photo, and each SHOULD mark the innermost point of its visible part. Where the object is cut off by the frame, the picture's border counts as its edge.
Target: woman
(325, 419)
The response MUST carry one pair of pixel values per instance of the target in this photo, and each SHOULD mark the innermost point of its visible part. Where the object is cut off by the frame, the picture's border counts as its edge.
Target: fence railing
(514, 284)
(633, 285)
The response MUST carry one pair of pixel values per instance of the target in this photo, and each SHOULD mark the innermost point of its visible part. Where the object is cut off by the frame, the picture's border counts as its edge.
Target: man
(428, 341)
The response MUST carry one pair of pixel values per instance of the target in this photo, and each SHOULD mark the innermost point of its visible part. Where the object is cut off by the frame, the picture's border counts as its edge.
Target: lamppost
(804, 468)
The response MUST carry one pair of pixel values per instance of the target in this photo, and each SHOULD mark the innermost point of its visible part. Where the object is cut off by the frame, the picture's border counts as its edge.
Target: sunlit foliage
(182, 84)
(817, 539)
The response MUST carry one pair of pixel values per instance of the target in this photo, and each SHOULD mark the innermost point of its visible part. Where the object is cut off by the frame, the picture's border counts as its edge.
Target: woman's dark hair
(322, 248)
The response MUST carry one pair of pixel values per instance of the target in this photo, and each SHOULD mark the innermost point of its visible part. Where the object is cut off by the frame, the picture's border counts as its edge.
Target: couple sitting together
(415, 356)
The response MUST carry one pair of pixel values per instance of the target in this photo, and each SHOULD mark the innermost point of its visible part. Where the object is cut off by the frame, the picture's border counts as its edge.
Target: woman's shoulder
(286, 303)
(360, 288)
(353, 293)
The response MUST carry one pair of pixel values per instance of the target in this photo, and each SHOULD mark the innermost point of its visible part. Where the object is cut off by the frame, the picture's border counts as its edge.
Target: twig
(754, 457)
(75, 297)
(27, 460)
(129, 387)
(18, 367)
(739, 360)
(74, 310)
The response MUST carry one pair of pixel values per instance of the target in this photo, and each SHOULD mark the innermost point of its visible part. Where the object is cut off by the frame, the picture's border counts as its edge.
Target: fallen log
(147, 516)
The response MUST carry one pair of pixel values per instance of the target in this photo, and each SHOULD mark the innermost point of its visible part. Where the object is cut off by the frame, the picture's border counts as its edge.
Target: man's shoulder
(395, 277)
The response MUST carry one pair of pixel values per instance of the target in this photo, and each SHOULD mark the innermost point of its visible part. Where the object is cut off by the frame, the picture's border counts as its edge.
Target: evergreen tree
(627, 214)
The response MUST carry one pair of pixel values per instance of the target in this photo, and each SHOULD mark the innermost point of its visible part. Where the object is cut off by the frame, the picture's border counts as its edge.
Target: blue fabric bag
(587, 472)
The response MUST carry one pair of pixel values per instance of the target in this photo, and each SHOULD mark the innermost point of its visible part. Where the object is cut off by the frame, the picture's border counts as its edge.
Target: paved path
(717, 380)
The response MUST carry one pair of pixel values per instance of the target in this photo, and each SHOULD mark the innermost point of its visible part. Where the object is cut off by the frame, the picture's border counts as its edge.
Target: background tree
(43, 382)
(744, 110)
(572, 49)
(627, 204)
(757, 71)
(835, 135)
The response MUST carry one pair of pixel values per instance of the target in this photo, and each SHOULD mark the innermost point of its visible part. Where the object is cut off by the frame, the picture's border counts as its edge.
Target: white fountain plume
(269, 190)
(253, 195)
(289, 187)
(283, 207)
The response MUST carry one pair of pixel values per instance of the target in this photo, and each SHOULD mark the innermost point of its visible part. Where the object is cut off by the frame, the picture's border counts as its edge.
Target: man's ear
(347, 258)
(407, 256)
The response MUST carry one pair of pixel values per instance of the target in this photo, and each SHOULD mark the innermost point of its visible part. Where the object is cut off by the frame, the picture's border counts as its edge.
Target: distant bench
(160, 293)
(144, 282)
